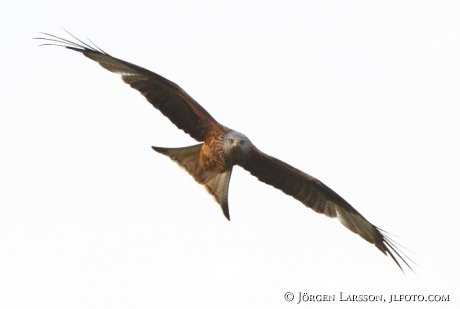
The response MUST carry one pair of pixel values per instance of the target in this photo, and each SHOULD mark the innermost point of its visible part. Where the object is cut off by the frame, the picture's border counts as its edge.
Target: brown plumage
(211, 162)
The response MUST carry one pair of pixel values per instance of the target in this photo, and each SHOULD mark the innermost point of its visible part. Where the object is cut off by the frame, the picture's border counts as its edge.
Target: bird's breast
(210, 159)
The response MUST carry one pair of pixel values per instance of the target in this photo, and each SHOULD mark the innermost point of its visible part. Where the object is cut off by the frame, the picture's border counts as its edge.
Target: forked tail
(216, 183)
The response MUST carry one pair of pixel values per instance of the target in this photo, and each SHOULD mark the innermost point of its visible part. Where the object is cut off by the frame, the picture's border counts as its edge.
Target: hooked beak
(235, 143)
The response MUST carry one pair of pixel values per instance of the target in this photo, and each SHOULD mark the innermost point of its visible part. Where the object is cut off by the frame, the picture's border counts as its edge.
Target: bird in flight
(211, 161)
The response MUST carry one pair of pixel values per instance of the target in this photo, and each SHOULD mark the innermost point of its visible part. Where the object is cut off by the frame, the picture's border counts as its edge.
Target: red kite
(211, 162)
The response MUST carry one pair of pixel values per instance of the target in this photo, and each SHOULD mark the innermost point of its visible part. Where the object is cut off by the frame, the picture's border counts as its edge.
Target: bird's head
(236, 145)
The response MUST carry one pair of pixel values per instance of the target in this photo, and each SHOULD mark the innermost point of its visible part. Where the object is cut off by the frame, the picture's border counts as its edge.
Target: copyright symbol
(289, 296)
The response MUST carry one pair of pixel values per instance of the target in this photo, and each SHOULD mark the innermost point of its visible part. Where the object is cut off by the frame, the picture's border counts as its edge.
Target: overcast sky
(363, 95)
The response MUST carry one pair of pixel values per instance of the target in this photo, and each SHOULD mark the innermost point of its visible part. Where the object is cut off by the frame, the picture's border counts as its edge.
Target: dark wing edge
(170, 99)
(314, 194)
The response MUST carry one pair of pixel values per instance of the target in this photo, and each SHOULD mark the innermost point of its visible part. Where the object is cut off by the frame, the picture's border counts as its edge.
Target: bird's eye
(242, 142)
(231, 141)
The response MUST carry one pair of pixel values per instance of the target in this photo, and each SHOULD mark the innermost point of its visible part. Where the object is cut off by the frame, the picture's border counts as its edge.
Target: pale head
(237, 146)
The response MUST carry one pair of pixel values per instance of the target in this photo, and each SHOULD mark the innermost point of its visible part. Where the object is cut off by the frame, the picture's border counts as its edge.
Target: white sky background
(364, 96)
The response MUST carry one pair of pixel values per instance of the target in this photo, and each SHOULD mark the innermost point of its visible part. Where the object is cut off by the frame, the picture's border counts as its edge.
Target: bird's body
(211, 162)
(212, 157)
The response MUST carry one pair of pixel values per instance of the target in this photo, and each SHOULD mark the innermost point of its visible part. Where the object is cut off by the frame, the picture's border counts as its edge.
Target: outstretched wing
(164, 95)
(319, 197)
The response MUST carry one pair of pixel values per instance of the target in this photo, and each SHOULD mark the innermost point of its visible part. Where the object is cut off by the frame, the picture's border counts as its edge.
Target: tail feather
(215, 183)
(218, 188)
